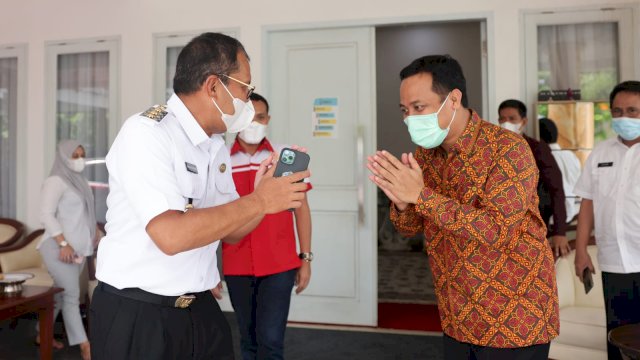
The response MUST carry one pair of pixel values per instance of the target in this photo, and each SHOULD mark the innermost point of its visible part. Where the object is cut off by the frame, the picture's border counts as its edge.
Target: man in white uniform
(610, 191)
(171, 199)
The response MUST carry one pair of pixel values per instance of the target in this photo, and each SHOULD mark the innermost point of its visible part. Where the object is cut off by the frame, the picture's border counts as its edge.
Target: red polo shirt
(271, 247)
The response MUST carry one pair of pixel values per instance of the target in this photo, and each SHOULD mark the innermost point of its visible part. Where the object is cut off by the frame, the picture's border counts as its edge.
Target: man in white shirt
(610, 191)
(171, 199)
(568, 163)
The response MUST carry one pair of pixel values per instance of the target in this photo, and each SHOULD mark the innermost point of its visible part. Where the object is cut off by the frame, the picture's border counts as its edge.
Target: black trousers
(622, 303)
(456, 350)
(122, 328)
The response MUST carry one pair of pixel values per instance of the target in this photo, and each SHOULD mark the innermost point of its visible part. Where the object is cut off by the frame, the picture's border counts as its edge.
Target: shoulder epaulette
(156, 112)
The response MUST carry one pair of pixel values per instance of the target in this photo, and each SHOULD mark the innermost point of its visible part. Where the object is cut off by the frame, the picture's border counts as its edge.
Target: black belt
(182, 301)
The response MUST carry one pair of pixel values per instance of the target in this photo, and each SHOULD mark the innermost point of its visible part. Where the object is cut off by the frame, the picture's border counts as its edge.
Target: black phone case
(587, 280)
(288, 166)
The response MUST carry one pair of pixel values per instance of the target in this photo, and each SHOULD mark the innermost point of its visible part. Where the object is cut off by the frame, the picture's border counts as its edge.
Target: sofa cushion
(583, 327)
(27, 257)
(571, 289)
(42, 277)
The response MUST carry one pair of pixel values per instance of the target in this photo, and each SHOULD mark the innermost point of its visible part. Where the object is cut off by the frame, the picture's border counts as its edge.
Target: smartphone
(587, 280)
(291, 161)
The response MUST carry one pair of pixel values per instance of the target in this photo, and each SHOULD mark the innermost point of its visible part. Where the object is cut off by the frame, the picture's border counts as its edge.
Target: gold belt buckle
(183, 301)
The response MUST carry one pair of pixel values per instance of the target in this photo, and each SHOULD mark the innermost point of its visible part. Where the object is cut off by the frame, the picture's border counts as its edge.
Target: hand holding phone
(587, 280)
(291, 161)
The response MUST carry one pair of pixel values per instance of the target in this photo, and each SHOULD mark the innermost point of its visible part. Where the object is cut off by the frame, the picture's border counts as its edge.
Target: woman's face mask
(242, 116)
(76, 165)
(425, 130)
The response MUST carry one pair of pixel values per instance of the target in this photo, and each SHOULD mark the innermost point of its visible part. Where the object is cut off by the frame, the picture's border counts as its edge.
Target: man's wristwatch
(63, 243)
(306, 256)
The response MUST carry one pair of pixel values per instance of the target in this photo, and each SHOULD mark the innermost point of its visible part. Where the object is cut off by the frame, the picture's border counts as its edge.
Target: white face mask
(254, 133)
(242, 116)
(76, 165)
(516, 128)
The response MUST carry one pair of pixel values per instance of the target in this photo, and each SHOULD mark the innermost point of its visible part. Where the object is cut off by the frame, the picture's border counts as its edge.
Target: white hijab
(76, 181)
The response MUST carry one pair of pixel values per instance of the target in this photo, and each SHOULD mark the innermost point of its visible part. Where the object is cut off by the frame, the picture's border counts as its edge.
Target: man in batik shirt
(472, 190)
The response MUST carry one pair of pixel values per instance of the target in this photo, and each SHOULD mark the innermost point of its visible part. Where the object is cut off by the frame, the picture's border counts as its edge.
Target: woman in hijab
(68, 215)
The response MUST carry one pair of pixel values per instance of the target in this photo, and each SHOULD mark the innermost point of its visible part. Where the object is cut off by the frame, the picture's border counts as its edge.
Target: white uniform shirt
(62, 211)
(155, 166)
(611, 178)
(570, 168)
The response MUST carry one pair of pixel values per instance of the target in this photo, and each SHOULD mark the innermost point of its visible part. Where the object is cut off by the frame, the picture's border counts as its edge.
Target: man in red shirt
(260, 270)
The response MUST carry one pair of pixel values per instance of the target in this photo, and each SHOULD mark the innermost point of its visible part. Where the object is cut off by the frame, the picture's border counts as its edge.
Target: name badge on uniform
(607, 164)
(191, 168)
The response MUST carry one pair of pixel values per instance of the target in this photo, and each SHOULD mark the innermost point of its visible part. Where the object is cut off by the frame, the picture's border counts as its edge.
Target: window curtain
(579, 56)
(82, 112)
(8, 124)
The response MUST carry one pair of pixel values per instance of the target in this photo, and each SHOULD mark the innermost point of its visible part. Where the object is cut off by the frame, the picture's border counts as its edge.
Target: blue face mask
(425, 130)
(628, 128)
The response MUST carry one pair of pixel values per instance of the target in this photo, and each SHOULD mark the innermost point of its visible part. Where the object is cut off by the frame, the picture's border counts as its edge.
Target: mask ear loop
(452, 118)
(229, 92)
(444, 102)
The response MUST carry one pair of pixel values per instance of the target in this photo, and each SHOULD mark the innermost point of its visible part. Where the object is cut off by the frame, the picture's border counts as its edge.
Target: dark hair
(205, 55)
(257, 97)
(445, 71)
(548, 131)
(631, 86)
(515, 104)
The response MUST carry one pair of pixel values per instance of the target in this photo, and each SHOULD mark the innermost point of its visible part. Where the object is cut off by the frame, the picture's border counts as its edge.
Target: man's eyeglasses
(250, 88)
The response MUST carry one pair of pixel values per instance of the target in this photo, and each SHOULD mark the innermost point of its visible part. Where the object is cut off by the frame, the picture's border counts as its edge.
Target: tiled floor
(16, 343)
(404, 276)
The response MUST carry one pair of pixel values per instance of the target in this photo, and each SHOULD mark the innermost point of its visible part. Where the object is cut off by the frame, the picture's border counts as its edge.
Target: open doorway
(406, 294)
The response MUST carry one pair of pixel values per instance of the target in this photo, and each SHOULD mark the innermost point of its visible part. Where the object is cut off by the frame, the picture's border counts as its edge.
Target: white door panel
(332, 63)
(331, 229)
(328, 199)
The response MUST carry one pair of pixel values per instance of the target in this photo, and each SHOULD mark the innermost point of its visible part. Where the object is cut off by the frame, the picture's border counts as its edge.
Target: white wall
(35, 22)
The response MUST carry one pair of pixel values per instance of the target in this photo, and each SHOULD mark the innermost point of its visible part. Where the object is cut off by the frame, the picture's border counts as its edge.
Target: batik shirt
(492, 266)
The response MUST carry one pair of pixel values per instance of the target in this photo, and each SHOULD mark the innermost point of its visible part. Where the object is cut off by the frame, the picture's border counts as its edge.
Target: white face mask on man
(242, 116)
(516, 128)
(254, 133)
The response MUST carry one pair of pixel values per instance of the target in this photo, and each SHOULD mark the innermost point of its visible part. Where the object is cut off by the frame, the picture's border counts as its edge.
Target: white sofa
(23, 257)
(583, 332)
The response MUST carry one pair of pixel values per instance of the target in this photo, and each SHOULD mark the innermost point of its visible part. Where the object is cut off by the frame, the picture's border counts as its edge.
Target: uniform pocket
(604, 179)
(225, 185)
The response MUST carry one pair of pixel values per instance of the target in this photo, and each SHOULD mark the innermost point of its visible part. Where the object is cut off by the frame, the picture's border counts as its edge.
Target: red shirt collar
(264, 145)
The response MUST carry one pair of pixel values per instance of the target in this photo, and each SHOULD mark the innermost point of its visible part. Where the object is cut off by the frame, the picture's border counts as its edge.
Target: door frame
(367, 196)
(488, 35)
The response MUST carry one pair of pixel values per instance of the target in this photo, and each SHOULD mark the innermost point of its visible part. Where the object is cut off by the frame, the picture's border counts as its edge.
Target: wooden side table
(33, 299)
(627, 339)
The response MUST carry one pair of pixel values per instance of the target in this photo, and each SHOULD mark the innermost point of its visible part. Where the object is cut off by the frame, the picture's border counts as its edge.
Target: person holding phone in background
(68, 215)
(610, 189)
(262, 268)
